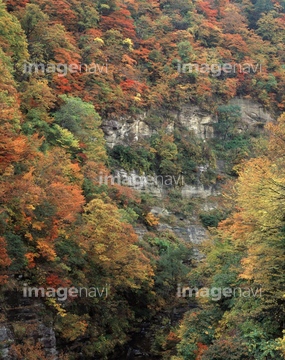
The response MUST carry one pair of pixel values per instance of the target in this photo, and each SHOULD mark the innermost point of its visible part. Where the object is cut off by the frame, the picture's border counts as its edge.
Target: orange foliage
(5, 261)
(201, 350)
(67, 198)
(205, 8)
(31, 259)
(120, 20)
(29, 350)
(151, 219)
(235, 42)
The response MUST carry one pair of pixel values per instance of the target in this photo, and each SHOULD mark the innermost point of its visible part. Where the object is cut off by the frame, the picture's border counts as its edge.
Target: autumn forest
(75, 77)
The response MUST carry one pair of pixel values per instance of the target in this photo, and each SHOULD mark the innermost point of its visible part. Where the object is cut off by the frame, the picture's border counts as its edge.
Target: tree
(5, 261)
(111, 245)
(228, 117)
(12, 40)
(81, 119)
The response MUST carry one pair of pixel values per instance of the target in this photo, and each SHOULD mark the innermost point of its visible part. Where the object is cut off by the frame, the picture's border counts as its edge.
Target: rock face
(143, 183)
(200, 122)
(125, 130)
(20, 318)
(6, 338)
(195, 233)
(129, 129)
(199, 191)
(252, 113)
(157, 185)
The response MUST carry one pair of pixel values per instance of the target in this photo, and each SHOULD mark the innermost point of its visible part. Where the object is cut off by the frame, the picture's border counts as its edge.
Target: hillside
(142, 157)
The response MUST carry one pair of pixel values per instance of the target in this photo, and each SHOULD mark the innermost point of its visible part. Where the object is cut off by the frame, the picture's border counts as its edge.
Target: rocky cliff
(125, 130)
(21, 319)
(129, 130)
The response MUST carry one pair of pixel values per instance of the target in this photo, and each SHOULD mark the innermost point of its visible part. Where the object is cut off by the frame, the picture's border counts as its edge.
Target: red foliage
(5, 261)
(16, 4)
(201, 350)
(136, 86)
(59, 10)
(120, 20)
(205, 8)
(63, 84)
(53, 280)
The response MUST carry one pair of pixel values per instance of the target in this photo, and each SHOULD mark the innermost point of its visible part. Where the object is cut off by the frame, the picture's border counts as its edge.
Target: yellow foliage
(71, 326)
(60, 311)
(151, 219)
(281, 344)
(46, 250)
(99, 40)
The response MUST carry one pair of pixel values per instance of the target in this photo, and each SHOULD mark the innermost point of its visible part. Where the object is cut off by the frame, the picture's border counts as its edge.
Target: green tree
(12, 38)
(83, 122)
(228, 117)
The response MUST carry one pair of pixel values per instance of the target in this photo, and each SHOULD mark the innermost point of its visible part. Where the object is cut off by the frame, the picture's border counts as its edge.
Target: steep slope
(178, 90)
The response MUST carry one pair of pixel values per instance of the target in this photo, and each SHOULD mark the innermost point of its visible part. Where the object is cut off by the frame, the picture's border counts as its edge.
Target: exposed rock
(190, 232)
(6, 339)
(252, 113)
(140, 230)
(209, 205)
(200, 191)
(125, 130)
(200, 122)
(164, 227)
(24, 313)
(151, 184)
(128, 129)
(158, 211)
(46, 336)
(196, 233)
(157, 184)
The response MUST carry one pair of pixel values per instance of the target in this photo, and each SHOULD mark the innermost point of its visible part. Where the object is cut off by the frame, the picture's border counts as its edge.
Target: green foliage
(172, 264)
(185, 50)
(81, 119)
(228, 118)
(63, 137)
(163, 154)
(179, 205)
(212, 218)
(233, 144)
(128, 215)
(13, 40)
(70, 250)
(16, 250)
(32, 17)
(131, 158)
(197, 328)
(75, 112)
